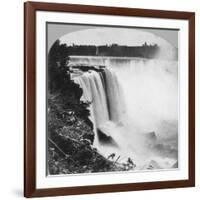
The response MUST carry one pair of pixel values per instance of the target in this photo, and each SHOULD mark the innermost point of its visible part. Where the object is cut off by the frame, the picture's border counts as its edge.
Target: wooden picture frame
(30, 9)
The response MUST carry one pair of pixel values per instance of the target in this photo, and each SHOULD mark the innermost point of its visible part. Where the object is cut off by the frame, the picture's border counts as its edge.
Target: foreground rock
(70, 153)
(70, 144)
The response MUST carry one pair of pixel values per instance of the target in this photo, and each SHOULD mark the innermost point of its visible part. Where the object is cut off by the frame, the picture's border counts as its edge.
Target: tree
(58, 70)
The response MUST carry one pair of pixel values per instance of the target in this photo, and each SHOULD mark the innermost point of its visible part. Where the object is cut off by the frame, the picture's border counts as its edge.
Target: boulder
(105, 139)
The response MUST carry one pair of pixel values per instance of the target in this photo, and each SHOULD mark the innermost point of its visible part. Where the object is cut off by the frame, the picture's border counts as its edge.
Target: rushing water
(135, 101)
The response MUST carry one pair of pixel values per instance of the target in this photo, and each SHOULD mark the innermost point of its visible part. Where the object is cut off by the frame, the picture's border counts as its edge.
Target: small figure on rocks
(111, 156)
(130, 161)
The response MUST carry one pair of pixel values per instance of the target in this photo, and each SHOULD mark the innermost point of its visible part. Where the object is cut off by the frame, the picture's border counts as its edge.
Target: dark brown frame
(30, 9)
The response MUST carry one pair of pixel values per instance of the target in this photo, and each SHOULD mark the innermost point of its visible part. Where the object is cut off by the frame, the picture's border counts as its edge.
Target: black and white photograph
(112, 99)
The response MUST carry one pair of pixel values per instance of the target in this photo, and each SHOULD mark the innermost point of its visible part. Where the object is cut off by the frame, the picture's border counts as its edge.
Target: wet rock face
(105, 139)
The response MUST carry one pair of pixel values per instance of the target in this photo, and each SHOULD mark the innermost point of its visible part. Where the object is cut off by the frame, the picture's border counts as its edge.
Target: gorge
(133, 107)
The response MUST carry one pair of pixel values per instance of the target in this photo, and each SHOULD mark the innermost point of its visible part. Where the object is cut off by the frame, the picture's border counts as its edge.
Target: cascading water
(133, 100)
(102, 90)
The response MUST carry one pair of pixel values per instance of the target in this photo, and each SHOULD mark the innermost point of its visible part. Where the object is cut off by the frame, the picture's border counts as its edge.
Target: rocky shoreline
(70, 144)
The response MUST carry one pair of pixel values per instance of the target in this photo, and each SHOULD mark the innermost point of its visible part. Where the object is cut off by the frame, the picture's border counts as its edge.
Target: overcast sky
(90, 34)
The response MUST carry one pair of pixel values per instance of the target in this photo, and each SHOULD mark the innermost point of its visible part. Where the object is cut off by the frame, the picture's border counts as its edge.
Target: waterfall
(115, 96)
(103, 91)
(129, 98)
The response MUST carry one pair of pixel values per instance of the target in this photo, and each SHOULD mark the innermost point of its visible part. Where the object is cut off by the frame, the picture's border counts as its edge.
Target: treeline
(144, 51)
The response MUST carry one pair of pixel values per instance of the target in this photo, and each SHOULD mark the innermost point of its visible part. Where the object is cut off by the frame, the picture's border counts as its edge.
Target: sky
(101, 35)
